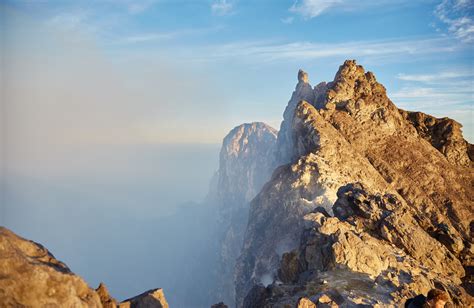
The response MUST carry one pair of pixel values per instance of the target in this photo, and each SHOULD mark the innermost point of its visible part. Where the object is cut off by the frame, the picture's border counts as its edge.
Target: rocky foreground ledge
(30, 276)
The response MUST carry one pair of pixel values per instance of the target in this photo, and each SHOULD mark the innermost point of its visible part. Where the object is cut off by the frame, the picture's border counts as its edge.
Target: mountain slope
(32, 277)
(351, 133)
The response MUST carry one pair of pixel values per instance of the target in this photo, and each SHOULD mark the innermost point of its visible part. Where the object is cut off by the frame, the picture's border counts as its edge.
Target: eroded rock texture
(32, 277)
(445, 135)
(372, 200)
(105, 298)
(150, 299)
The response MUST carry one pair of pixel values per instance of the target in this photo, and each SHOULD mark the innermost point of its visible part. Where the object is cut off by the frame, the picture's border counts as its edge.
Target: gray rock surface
(303, 91)
(245, 165)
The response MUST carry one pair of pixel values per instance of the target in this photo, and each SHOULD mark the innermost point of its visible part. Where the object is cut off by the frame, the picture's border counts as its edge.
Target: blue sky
(188, 71)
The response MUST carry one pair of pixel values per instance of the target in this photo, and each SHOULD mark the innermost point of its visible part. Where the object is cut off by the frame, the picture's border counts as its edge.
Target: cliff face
(415, 173)
(245, 164)
(445, 135)
(303, 91)
(32, 277)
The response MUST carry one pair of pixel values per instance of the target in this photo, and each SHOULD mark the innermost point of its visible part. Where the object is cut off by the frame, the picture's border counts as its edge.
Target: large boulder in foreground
(32, 277)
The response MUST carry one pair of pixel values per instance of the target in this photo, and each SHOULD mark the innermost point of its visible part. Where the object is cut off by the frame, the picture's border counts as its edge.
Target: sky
(112, 111)
(188, 71)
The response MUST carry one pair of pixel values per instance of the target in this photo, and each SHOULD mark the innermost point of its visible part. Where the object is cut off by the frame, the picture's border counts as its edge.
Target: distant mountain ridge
(245, 165)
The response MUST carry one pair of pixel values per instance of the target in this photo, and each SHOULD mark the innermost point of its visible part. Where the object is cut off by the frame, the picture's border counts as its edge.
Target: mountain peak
(416, 176)
(245, 165)
(302, 76)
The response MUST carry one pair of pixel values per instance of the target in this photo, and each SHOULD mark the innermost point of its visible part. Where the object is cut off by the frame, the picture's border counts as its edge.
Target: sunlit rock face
(105, 298)
(246, 163)
(445, 135)
(32, 277)
(415, 215)
(150, 299)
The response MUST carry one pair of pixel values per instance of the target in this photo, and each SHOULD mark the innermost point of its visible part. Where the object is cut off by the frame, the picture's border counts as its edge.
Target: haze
(113, 114)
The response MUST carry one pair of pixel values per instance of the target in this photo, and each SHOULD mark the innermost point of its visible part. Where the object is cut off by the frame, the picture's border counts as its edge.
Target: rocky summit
(370, 204)
(30, 276)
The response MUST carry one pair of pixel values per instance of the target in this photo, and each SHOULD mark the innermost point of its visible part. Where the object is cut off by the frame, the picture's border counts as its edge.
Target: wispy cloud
(448, 95)
(436, 77)
(312, 8)
(146, 37)
(287, 20)
(458, 16)
(133, 6)
(69, 21)
(300, 51)
(161, 36)
(222, 7)
(445, 90)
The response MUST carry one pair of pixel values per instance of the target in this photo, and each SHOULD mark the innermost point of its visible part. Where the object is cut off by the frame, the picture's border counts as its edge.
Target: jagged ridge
(356, 134)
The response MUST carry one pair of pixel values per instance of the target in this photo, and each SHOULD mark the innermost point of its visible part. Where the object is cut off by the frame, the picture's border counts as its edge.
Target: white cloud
(436, 77)
(268, 51)
(135, 7)
(312, 8)
(70, 21)
(449, 95)
(161, 36)
(287, 20)
(221, 7)
(147, 37)
(458, 17)
(442, 89)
